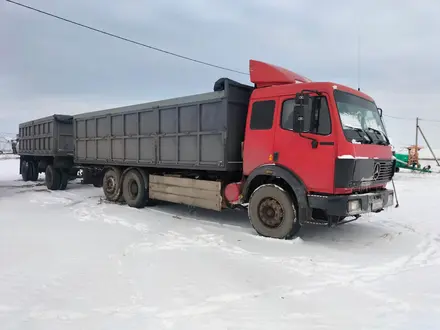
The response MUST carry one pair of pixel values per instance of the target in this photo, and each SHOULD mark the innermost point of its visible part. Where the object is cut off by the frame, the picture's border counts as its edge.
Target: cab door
(311, 156)
(259, 135)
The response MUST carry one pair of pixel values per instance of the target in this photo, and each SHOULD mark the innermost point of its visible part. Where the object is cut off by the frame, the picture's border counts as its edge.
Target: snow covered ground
(68, 260)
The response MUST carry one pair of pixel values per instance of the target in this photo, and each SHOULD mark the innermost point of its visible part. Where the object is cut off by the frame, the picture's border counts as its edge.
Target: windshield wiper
(360, 131)
(387, 141)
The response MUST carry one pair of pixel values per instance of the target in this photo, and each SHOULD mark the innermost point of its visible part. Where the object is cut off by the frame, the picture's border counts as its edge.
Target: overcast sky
(48, 66)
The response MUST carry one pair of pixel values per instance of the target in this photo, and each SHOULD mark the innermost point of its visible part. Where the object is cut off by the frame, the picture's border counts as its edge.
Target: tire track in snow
(91, 210)
(428, 254)
(357, 277)
(338, 272)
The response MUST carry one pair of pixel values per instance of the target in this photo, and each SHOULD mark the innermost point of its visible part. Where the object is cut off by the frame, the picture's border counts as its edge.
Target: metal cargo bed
(48, 136)
(203, 131)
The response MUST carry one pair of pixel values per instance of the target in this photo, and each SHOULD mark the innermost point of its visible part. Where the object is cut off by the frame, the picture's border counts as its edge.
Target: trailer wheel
(133, 189)
(97, 181)
(272, 212)
(33, 171)
(53, 178)
(86, 176)
(64, 179)
(111, 184)
(25, 171)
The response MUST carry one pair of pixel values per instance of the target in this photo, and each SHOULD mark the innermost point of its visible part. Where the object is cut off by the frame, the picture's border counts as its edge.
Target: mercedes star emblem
(376, 171)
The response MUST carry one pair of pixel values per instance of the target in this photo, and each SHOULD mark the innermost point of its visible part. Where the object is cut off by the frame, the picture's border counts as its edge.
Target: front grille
(362, 173)
(385, 170)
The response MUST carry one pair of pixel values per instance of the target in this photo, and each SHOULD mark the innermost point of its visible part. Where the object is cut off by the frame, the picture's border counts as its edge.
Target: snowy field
(68, 260)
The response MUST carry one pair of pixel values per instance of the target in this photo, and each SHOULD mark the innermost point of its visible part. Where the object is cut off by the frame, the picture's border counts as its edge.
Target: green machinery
(402, 161)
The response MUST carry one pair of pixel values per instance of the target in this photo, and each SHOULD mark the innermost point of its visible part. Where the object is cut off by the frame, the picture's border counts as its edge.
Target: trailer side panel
(49, 136)
(202, 132)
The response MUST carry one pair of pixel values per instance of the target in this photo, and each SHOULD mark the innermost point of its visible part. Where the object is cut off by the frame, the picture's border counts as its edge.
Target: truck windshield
(360, 119)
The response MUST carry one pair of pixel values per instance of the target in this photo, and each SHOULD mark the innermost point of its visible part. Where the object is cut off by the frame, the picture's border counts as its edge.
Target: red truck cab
(323, 143)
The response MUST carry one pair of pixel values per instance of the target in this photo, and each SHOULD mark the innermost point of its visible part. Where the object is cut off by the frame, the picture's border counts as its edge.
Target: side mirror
(302, 98)
(380, 111)
(298, 119)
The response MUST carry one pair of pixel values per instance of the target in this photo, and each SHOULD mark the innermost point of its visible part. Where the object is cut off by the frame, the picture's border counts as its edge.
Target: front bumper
(355, 204)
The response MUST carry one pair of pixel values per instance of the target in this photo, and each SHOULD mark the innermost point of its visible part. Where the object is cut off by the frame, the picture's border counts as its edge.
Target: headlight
(354, 206)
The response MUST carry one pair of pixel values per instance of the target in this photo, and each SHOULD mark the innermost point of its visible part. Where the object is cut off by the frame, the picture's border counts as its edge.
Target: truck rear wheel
(111, 184)
(133, 189)
(53, 178)
(272, 212)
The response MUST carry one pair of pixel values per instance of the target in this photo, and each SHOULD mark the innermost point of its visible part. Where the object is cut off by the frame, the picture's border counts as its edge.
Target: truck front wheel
(272, 212)
(133, 189)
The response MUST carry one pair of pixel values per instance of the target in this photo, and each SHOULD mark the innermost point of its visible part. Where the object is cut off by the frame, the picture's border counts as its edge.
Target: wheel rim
(110, 185)
(271, 212)
(133, 189)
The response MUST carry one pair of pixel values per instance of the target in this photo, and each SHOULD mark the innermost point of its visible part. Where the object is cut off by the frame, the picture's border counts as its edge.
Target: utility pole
(358, 60)
(417, 133)
(419, 129)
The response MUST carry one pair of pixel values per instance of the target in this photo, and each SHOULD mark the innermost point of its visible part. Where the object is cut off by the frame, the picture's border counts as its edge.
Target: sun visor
(265, 74)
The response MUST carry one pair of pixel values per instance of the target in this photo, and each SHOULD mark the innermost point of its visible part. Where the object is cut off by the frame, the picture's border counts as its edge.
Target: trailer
(280, 149)
(46, 146)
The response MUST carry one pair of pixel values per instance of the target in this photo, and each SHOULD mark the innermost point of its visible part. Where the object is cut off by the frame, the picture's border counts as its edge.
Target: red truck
(313, 152)
(289, 150)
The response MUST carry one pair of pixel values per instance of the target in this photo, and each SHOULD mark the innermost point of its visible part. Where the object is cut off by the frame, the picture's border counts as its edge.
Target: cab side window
(262, 115)
(322, 120)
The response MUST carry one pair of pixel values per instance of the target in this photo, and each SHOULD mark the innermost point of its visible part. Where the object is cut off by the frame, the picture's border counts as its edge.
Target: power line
(430, 120)
(395, 117)
(172, 53)
(412, 119)
(126, 39)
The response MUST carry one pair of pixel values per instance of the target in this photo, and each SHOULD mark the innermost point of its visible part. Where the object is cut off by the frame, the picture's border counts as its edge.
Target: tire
(64, 180)
(111, 184)
(87, 177)
(280, 220)
(133, 189)
(148, 201)
(97, 184)
(53, 178)
(97, 181)
(33, 171)
(25, 171)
